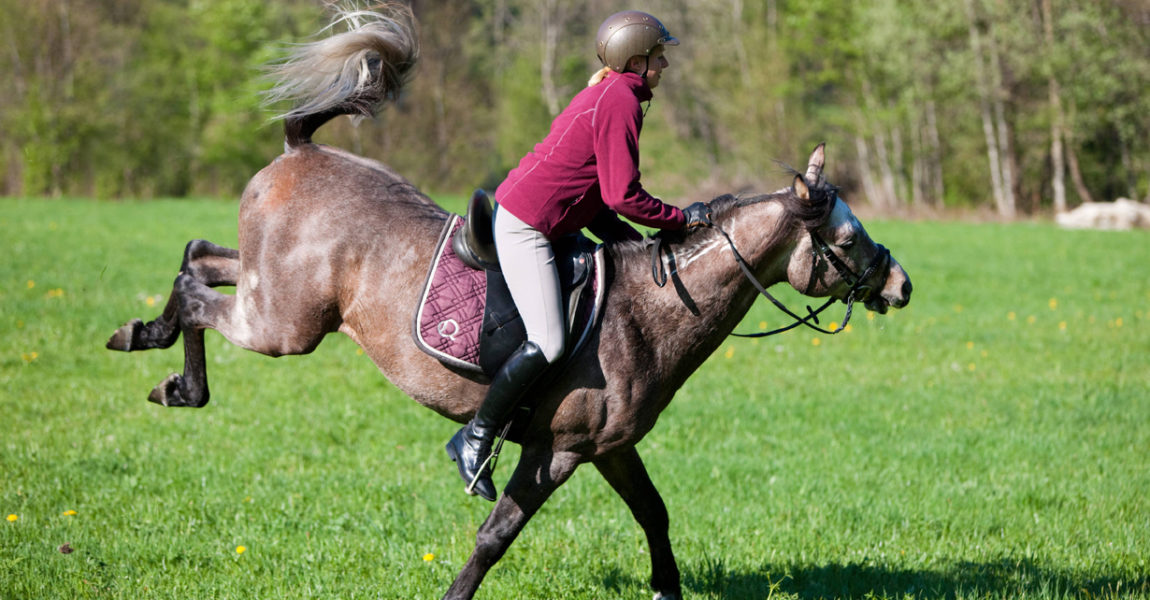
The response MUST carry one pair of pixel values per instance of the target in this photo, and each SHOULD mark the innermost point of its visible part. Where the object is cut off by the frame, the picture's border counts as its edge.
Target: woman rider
(585, 173)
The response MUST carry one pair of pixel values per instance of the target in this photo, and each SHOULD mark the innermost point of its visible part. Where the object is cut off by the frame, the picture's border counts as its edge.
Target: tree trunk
(935, 153)
(985, 110)
(1075, 172)
(552, 24)
(874, 196)
(1058, 177)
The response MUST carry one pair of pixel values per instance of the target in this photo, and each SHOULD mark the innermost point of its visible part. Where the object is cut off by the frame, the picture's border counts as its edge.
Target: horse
(330, 241)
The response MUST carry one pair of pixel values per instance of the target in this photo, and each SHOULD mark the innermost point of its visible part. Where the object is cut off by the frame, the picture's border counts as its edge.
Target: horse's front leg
(627, 475)
(537, 475)
(207, 263)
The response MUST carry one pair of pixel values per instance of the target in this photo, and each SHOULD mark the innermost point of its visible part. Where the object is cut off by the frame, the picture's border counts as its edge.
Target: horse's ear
(801, 190)
(816, 162)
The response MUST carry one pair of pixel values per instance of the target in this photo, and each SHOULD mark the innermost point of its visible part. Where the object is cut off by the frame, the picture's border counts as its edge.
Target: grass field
(992, 440)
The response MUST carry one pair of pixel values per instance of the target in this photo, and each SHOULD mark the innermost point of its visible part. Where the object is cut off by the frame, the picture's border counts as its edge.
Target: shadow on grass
(1002, 579)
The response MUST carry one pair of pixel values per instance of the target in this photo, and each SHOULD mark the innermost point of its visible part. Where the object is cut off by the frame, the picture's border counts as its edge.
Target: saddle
(466, 317)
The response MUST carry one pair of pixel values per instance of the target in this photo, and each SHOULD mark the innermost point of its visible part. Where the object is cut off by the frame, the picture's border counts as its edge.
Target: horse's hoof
(168, 393)
(122, 339)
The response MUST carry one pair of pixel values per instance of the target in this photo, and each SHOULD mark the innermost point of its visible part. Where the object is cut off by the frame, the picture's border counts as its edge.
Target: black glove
(698, 215)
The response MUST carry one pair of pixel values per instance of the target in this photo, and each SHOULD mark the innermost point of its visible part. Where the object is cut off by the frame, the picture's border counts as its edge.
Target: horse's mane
(808, 214)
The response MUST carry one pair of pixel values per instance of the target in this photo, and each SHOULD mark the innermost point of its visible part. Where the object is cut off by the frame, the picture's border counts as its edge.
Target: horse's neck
(707, 294)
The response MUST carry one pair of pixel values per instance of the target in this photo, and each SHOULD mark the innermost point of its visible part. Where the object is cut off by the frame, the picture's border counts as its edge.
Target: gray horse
(330, 241)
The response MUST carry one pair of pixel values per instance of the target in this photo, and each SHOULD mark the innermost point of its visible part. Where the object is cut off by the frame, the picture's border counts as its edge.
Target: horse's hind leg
(627, 475)
(196, 307)
(207, 263)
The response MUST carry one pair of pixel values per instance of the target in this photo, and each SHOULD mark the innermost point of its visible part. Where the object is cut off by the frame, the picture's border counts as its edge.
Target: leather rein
(819, 249)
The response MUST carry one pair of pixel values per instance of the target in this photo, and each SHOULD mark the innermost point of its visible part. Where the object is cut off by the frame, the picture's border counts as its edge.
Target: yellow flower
(762, 324)
(428, 557)
(56, 293)
(150, 300)
(29, 356)
(970, 345)
(834, 326)
(12, 518)
(971, 367)
(69, 513)
(1062, 325)
(1118, 322)
(1011, 316)
(1053, 304)
(848, 328)
(730, 352)
(241, 549)
(31, 284)
(870, 315)
(816, 341)
(957, 308)
(1031, 319)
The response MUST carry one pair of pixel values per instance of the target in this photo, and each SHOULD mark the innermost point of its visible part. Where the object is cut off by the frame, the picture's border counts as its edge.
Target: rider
(583, 174)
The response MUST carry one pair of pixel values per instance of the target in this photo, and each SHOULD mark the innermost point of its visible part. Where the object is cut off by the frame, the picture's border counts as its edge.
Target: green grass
(990, 441)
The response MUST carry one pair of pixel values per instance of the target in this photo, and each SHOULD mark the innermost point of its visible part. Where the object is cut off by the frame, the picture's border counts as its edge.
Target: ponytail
(599, 75)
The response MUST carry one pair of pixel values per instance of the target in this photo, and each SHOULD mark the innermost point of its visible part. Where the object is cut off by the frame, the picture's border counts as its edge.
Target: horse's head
(834, 256)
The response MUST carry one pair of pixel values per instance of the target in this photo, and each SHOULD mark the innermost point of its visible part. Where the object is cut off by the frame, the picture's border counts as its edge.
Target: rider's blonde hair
(598, 76)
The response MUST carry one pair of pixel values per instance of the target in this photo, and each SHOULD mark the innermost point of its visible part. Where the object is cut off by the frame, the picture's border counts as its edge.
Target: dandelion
(241, 549)
(870, 315)
(833, 326)
(984, 354)
(816, 341)
(1031, 319)
(1118, 322)
(1062, 325)
(31, 284)
(29, 356)
(359, 351)
(69, 513)
(762, 325)
(12, 518)
(1010, 316)
(428, 557)
(1053, 304)
(970, 345)
(730, 352)
(150, 300)
(56, 293)
(848, 328)
(971, 367)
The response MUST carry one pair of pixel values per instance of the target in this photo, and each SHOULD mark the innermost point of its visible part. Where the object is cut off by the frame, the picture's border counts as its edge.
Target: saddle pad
(450, 314)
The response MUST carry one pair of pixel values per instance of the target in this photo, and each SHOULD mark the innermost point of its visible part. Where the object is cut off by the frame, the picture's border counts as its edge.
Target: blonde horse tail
(349, 73)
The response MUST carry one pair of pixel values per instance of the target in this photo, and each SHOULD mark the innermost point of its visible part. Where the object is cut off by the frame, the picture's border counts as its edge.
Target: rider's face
(653, 64)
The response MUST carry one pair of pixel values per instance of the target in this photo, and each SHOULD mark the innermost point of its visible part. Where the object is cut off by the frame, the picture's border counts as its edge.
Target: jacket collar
(636, 83)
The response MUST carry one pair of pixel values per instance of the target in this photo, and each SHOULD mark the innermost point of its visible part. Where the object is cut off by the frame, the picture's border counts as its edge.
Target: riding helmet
(630, 33)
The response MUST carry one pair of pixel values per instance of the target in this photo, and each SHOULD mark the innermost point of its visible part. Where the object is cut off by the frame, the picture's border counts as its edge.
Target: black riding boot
(470, 447)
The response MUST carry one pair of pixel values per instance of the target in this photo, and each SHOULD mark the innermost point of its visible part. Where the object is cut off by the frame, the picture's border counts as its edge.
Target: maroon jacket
(589, 162)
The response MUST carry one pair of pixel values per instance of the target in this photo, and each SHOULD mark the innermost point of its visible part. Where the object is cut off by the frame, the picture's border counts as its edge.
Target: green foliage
(161, 97)
(986, 442)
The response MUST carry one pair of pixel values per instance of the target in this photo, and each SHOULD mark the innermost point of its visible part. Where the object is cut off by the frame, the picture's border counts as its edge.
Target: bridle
(819, 248)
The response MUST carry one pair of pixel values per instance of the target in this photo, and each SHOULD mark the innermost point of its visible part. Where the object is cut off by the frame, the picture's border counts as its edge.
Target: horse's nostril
(906, 288)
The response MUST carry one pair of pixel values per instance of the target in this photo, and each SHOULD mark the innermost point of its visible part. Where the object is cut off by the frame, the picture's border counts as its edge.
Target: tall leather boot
(470, 447)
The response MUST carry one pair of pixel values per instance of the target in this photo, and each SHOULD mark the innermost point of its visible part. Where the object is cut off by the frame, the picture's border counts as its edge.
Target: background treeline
(1018, 105)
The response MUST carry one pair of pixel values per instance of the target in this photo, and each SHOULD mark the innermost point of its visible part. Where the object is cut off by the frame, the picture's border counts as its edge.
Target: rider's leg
(528, 265)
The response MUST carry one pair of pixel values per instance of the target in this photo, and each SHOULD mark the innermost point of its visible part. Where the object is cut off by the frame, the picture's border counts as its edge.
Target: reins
(820, 248)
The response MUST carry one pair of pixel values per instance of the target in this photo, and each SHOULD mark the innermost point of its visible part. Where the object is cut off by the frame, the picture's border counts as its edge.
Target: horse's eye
(848, 244)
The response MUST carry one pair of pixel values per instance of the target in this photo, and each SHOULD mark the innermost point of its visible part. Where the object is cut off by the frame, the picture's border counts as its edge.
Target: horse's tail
(349, 73)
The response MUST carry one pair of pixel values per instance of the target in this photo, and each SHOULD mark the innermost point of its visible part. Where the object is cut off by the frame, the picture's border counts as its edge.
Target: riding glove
(698, 215)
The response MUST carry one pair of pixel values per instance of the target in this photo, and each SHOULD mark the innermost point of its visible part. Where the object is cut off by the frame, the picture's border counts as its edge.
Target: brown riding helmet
(630, 33)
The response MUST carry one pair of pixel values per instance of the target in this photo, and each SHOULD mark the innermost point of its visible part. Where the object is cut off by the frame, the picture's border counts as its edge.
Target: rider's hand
(698, 215)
